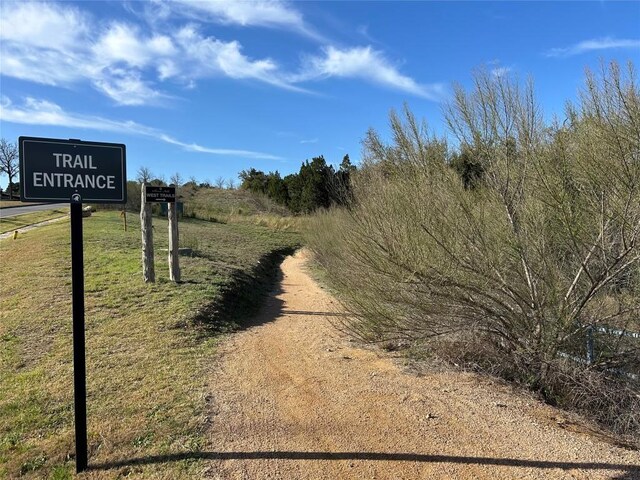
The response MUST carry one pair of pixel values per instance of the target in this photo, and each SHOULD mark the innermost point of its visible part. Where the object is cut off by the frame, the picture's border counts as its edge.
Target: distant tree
(9, 162)
(205, 184)
(468, 166)
(341, 187)
(191, 184)
(219, 183)
(133, 196)
(316, 185)
(276, 188)
(253, 180)
(13, 190)
(316, 177)
(230, 184)
(293, 184)
(144, 175)
(177, 180)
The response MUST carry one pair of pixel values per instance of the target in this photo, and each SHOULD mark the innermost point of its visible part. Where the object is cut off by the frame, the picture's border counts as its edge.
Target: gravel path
(293, 399)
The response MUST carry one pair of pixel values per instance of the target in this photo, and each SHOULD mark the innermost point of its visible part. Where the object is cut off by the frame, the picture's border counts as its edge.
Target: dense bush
(512, 247)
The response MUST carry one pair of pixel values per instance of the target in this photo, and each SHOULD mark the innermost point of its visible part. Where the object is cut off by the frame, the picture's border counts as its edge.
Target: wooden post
(148, 269)
(123, 214)
(174, 262)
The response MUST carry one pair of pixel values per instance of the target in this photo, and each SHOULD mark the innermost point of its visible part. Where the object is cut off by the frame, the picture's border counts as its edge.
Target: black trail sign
(55, 170)
(74, 171)
(160, 194)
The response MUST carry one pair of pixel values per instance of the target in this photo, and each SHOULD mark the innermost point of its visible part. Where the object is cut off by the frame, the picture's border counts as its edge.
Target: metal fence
(592, 347)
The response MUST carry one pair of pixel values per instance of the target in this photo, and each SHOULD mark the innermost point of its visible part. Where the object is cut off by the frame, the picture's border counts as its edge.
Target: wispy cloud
(366, 64)
(194, 147)
(138, 64)
(42, 112)
(500, 71)
(206, 56)
(120, 60)
(310, 140)
(251, 13)
(585, 46)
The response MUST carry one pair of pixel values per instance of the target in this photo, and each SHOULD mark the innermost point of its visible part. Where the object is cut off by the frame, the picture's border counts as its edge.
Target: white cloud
(194, 147)
(209, 55)
(48, 67)
(42, 112)
(366, 64)
(38, 42)
(247, 13)
(120, 60)
(127, 88)
(206, 56)
(52, 44)
(605, 43)
(42, 25)
(310, 140)
(500, 71)
(123, 43)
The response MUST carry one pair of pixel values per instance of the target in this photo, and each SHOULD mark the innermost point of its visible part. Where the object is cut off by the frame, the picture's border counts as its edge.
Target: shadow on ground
(244, 296)
(630, 471)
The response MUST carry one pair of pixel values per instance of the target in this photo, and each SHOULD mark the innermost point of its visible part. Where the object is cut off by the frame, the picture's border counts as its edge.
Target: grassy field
(149, 346)
(12, 223)
(15, 203)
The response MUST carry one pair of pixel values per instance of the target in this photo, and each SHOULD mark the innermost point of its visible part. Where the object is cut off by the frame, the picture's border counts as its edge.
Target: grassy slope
(19, 221)
(147, 348)
(220, 204)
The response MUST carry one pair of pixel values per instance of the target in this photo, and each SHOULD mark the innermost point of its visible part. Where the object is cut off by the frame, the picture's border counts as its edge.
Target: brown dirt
(292, 398)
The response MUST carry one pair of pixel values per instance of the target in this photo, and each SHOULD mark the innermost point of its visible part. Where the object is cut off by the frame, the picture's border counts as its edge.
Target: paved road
(13, 211)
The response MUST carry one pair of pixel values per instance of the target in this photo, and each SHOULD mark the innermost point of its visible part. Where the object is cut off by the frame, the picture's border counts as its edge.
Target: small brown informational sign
(160, 194)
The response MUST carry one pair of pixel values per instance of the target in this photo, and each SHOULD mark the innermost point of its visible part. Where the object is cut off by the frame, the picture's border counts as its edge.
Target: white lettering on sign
(69, 180)
(78, 161)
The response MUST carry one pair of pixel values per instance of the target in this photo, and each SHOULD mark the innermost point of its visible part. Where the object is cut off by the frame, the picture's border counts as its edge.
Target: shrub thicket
(512, 248)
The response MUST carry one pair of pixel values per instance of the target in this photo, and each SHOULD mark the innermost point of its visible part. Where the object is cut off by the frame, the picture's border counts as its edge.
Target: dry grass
(147, 358)
(216, 204)
(20, 221)
(14, 203)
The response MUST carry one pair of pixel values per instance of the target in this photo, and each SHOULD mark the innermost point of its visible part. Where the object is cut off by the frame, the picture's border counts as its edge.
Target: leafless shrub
(546, 247)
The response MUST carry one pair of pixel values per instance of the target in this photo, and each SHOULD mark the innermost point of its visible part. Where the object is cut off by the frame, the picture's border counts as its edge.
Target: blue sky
(208, 89)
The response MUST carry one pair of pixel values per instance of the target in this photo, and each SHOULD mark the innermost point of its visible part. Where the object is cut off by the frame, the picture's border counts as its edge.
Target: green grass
(15, 203)
(149, 346)
(20, 221)
(12, 203)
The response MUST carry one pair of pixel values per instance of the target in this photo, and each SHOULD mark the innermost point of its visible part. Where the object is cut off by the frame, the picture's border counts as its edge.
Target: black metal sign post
(79, 367)
(55, 170)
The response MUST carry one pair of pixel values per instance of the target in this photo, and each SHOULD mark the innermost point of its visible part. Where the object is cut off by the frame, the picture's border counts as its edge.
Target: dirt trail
(294, 399)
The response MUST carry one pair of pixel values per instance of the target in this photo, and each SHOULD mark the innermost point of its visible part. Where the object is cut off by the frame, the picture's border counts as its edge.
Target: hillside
(218, 203)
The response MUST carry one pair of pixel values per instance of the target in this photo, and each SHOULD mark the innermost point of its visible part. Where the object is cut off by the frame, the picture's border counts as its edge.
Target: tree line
(316, 185)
